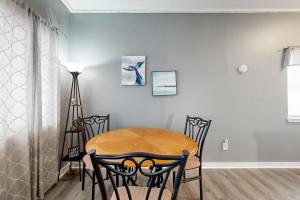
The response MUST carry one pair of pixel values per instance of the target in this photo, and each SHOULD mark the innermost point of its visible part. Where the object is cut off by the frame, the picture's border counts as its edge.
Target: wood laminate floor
(219, 184)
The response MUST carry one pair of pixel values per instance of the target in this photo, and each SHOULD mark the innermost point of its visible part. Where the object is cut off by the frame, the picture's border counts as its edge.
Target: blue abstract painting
(133, 70)
(164, 83)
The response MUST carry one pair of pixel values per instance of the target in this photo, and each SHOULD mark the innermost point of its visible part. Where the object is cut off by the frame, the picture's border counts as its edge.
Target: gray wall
(205, 49)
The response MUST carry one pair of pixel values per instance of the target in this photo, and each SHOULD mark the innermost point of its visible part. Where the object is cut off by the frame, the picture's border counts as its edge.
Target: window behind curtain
(293, 77)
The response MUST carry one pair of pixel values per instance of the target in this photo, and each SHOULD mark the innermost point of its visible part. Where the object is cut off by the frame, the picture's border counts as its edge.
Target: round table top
(150, 140)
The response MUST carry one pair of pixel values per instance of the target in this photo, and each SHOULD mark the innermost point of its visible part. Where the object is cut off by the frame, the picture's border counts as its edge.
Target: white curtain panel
(29, 104)
(14, 140)
(44, 108)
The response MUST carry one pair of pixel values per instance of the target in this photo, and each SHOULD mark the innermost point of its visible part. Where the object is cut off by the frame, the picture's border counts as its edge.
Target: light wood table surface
(150, 140)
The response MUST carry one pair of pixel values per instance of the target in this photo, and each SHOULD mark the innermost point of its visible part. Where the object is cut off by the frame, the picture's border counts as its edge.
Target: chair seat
(139, 193)
(191, 163)
(88, 162)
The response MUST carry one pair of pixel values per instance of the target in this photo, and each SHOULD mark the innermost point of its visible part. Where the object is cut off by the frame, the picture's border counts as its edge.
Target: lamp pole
(76, 148)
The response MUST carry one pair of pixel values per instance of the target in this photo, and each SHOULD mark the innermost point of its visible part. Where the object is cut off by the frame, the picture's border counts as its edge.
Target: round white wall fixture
(243, 69)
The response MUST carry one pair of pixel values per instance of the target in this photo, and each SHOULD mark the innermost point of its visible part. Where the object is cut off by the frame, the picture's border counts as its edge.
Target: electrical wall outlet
(225, 145)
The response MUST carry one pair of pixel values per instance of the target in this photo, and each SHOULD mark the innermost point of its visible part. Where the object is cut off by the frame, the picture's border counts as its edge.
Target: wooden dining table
(149, 140)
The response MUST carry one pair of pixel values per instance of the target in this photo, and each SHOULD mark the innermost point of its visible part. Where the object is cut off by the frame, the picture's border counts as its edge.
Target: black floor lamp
(73, 139)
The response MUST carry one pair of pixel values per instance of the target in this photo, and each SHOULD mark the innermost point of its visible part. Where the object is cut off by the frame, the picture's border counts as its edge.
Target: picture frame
(133, 70)
(164, 83)
(73, 152)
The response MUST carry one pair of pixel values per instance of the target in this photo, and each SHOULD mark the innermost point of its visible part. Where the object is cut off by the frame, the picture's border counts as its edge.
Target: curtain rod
(35, 14)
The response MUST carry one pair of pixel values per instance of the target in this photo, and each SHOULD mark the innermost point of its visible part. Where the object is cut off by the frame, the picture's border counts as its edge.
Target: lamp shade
(74, 67)
(292, 56)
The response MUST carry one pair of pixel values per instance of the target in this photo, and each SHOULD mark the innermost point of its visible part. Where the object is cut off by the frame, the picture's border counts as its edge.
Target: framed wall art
(133, 70)
(164, 83)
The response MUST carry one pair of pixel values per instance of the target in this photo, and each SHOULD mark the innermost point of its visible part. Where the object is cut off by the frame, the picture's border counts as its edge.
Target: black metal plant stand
(72, 134)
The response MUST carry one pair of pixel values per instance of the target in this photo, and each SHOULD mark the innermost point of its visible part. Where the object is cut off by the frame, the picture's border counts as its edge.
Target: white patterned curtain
(29, 110)
(14, 149)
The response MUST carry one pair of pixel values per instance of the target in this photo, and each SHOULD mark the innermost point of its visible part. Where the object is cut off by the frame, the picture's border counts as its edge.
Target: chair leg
(117, 177)
(93, 186)
(83, 176)
(117, 180)
(79, 170)
(200, 183)
(174, 174)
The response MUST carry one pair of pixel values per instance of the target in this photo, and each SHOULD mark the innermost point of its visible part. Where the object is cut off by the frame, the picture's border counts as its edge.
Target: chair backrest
(197, 129)
(153, 167)
(94, 125)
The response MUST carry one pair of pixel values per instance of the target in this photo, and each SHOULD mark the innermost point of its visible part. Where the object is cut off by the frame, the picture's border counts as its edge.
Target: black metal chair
(92, 126)
(197, 129)
(133, 163)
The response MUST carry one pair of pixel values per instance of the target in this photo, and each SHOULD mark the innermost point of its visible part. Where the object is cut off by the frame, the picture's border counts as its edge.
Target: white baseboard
(241, 165)
(66, 168)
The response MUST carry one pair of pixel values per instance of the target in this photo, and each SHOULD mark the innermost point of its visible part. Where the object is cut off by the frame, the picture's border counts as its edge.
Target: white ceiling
(181, 6)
